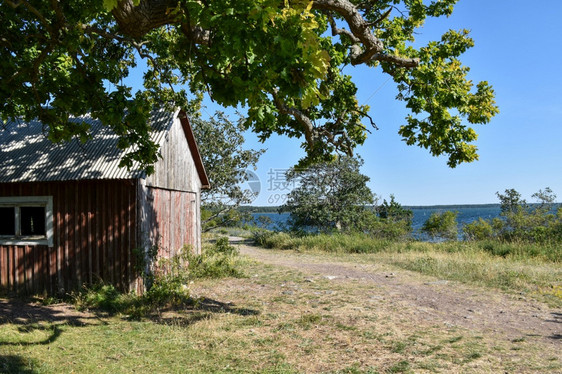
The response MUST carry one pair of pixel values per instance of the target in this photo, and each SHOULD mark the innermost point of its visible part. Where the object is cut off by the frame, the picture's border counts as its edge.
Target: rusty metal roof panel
(26, 155)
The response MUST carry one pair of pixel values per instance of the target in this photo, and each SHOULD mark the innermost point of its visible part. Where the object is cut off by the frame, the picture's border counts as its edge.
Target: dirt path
(429, 299)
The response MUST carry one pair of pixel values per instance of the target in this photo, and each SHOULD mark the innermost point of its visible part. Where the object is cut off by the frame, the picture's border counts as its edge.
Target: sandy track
(438, 301)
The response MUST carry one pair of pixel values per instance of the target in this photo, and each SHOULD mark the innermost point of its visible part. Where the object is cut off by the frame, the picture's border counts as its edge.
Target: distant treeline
(275, 209)
(452, 207)
(259, 209)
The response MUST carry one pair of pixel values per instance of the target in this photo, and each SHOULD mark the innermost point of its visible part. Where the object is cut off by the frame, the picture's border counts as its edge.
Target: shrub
(169, 286)
(390, 229)
(536, 223)
(442, 225)
(216, 261)
(478, 230)
(271, 239)
(100, 296)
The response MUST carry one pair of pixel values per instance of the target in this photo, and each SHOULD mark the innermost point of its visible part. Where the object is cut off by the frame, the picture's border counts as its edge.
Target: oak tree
(330, 196)
(282, 60)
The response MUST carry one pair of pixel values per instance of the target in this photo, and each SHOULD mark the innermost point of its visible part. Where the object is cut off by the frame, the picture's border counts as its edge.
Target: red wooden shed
(69, 215)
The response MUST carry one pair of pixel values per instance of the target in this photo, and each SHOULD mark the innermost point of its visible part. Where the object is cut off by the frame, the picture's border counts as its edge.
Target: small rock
(308, 280)
(287, 292)
(330, 277)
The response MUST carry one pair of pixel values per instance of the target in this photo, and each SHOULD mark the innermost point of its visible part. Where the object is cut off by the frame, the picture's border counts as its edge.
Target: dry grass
(516, 267)
(320, 325)
(273, 321)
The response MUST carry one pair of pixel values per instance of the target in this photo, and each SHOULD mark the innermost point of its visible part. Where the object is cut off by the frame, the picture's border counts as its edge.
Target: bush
(478, 230)
(389, 229)
(101, 296)
(216, 261)
(536, 223)
(169, 287)
(442, 225)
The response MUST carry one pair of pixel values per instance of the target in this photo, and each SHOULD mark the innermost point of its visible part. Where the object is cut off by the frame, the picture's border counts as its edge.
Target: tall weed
(169, 287)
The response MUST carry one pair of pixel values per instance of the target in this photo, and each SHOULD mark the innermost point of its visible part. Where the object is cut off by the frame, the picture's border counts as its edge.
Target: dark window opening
(32, 221)
(8, 221)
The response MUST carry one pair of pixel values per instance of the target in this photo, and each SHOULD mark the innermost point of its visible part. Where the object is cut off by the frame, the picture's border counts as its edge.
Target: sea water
(466, 214)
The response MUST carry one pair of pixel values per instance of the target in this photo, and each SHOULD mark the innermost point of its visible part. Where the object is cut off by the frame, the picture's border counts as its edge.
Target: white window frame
(29, 201)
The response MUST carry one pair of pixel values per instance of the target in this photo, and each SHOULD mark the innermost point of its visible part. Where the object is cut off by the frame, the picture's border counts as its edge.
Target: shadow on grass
(29, 316)
(14, 364)
(215, 306)
(201, 309)
(27, 311)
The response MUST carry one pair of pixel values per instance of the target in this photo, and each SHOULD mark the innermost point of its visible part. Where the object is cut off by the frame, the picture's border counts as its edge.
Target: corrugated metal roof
(26, 155)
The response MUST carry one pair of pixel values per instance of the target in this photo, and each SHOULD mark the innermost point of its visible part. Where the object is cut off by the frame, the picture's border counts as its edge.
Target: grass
(169, 289)
(271, 320)
(515, 267)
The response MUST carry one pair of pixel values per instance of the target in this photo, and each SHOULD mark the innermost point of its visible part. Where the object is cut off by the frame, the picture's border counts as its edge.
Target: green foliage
(338, 242)
(363, 243)
(394, 211)
(395, 222)
(221, 143)
(271, 239)
(478, 230)
(216, 261)
(442, 225)
(215, 216)
(390, 229)
(263, 221)
(511, 201)
(68, 58)
(101, 296)
(170, 282)
(522, 250)
(521, 222)
(330, 196)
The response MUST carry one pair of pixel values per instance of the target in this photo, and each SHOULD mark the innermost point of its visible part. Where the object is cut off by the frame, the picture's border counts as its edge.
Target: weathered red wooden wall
(171, 219)
(94, 226)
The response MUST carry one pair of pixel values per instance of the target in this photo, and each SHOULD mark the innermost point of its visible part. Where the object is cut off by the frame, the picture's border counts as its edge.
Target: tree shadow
(215, 306)
(200, 309)
(15, 364)
(29, 317)
(556, 317)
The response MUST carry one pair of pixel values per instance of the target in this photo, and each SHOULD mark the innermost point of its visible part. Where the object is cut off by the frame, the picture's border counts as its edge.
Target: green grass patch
(246, 325)
(169, 289)
(516, 267)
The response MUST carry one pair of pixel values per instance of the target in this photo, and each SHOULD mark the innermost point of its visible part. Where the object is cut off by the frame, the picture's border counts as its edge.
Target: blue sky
(518, 49)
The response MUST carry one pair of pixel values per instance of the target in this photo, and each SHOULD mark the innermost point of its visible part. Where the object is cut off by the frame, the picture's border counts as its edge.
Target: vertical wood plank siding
(167, 217)
(171, 211)
(94, 228)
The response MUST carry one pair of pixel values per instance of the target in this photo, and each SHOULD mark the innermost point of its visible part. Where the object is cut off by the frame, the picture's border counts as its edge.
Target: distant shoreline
(275, 209)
